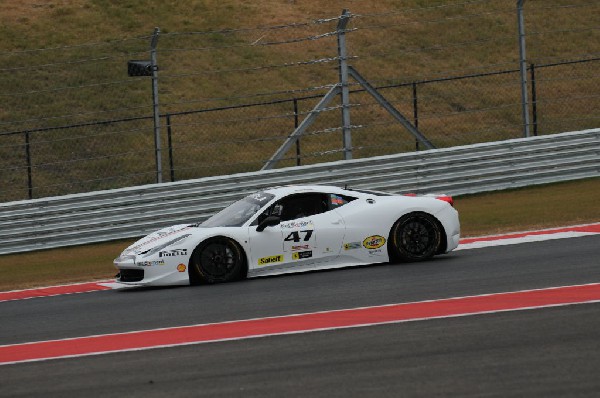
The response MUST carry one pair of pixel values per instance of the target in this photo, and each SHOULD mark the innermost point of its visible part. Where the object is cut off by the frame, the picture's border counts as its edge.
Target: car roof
(288, 189)
(291, 189)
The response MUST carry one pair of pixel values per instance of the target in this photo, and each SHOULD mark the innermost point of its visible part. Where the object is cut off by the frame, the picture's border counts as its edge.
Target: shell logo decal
(181, 268)
(374, 242)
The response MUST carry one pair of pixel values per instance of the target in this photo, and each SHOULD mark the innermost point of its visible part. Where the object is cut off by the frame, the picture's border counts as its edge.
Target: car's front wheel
(414, 237)
(216, 260)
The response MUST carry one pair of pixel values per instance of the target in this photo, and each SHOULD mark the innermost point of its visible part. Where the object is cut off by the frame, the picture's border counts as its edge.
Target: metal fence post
(343, 74)
(296, 122)
(523, 67)
(28, 159)
(533, 101)
(157, 143)
(415, 111)
(170, 144)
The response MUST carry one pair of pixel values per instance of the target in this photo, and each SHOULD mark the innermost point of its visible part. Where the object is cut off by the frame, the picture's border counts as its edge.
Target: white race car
(294, 229)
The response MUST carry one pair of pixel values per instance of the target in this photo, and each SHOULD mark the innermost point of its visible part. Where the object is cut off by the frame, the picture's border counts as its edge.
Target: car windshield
(236, 214)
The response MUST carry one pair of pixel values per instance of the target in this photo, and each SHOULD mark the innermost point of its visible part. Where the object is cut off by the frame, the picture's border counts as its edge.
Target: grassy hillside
(64, 63)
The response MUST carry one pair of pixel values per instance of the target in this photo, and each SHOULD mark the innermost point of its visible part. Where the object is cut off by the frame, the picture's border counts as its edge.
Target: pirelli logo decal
(270, 260)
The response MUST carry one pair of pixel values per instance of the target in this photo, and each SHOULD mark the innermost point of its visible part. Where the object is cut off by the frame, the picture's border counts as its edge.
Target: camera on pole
(139, 68)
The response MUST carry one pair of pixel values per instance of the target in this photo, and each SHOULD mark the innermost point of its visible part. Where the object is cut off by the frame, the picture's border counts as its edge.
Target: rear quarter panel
(364, 220)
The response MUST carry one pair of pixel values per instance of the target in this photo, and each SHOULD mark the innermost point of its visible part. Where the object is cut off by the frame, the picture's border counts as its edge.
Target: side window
(302, 205)
(336, 201)
(267, 212)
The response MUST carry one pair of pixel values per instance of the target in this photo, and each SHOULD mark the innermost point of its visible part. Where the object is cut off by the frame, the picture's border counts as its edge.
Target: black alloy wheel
(216, 260)
(414, 237)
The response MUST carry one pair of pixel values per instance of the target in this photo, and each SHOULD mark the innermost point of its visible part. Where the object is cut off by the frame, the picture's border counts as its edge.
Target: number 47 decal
(295, 236)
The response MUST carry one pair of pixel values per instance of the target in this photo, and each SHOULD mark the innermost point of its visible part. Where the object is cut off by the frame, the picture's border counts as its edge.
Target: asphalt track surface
(538, 352)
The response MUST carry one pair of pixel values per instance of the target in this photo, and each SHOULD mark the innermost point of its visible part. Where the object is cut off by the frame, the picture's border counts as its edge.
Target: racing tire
(414, 237)
(216, 260)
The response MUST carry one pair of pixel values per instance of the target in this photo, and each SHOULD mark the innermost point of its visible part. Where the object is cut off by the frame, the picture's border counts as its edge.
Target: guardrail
(136, 211)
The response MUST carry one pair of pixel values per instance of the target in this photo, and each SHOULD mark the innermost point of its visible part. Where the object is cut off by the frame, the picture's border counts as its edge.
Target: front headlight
(158, 248)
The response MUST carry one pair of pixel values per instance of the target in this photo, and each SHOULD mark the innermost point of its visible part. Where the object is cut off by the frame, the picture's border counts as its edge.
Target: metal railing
(132, 212)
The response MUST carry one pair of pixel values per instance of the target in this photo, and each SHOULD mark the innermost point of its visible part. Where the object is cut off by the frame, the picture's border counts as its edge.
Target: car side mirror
(270, 221)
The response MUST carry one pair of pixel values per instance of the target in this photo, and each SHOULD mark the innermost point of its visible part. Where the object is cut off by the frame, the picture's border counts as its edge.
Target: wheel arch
(443, 237)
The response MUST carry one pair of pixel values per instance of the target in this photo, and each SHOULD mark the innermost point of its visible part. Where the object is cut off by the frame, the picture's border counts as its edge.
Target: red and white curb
(465, 244)
(299, 323)
(530, 236)
(54, 290)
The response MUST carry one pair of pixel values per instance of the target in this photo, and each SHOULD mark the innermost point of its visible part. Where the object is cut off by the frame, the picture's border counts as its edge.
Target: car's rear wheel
(216, 260)
(414, 237)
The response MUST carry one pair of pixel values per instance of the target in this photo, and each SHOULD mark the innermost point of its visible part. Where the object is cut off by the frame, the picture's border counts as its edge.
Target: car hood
(157, 238)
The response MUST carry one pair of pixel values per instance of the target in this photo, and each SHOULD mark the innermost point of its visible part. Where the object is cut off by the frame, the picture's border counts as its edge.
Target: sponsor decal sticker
(260, 197)
(154, 237)
(297, 224)
(270, 260)
(352, 245)
(376, 252)
(301, 255)
(374, 242)
(300, 247)
(150, 263)
(173, 253)
(181, 268)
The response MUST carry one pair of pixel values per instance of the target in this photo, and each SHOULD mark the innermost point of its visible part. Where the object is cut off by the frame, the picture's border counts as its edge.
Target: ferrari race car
(294, 229)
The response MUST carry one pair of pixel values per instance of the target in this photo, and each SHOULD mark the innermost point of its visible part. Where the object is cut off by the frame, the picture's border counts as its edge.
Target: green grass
(411, 41)
(545, 206)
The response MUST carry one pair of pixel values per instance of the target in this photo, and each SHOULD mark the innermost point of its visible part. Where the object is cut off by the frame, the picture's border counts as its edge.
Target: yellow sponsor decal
(181, 268)
(270, 260)
(374, 242)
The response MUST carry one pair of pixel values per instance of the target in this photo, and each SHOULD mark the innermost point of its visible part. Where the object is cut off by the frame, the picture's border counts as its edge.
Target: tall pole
(157, 143)
(533, 100)
(523, 68)
(415, 112)
(29, 168)
(343, 75)
(296, 124)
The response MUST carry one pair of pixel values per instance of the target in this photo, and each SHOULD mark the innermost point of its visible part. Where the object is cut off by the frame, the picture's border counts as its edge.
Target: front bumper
(150, 272)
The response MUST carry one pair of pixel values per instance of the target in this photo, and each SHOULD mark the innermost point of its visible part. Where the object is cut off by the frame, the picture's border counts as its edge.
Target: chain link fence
(72, 120)
(66, 125)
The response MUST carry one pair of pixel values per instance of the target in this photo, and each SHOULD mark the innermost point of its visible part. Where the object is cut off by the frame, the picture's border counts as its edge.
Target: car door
(316, 238)
(309, 232)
